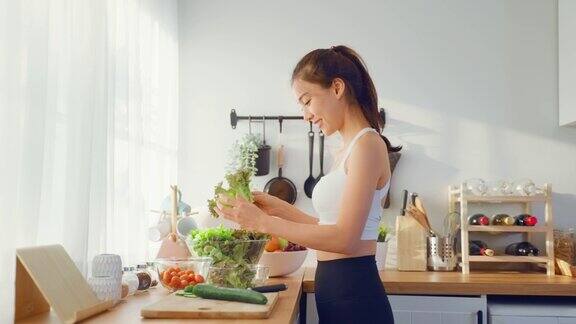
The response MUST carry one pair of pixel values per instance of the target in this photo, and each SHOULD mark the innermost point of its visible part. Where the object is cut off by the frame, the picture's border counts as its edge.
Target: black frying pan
(281, 187)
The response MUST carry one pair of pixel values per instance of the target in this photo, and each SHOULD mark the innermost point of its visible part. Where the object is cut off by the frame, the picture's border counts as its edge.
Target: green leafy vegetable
(238, 185)
(233, 253)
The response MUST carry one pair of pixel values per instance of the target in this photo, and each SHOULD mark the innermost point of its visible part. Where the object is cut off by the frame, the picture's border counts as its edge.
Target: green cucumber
(232, 294)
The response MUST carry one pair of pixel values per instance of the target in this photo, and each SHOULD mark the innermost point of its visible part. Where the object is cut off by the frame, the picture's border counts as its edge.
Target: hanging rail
(234, 118)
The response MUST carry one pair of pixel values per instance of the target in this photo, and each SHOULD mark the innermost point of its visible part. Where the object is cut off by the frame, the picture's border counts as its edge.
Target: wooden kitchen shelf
(458, 196)
(507, 258)
(506, 229)
(505, 199)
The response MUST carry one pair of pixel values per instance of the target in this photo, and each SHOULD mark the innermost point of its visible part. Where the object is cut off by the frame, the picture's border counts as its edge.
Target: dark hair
(322, 66)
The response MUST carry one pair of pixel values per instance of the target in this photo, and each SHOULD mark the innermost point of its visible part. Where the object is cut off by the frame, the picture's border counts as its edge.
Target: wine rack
(458, 198)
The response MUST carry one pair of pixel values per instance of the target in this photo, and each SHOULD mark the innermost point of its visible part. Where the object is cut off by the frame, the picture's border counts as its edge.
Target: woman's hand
(271, 205)
(240, 211)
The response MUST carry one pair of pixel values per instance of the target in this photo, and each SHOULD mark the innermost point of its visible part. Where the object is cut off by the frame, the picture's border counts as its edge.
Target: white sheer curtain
(88, 126)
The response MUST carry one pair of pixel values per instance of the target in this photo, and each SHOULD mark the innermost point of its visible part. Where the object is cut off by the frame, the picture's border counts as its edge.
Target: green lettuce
(238, 185)
(233, 253)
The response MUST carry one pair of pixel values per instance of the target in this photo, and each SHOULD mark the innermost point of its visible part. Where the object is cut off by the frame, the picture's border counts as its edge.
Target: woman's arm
(295, 215)
(364, 168)
(274, 206)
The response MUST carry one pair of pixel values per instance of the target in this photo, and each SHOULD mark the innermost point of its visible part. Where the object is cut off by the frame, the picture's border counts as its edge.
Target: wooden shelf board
(503, 228)
(508, 258)
(503, 199)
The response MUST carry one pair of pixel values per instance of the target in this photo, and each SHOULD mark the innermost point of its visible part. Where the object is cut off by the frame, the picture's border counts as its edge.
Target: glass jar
(153, 274)
(129, 278)
(144, 277)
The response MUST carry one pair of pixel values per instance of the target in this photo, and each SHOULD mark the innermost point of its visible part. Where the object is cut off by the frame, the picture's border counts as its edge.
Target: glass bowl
(176, 274)
(229, 252)
(239, 276)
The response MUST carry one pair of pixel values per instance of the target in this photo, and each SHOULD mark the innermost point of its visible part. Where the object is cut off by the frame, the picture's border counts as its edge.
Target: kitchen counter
(476, 283)
(128, 311)
(396, 283)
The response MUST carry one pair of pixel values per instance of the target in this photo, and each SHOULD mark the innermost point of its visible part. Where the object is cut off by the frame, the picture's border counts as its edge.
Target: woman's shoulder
(370, 151)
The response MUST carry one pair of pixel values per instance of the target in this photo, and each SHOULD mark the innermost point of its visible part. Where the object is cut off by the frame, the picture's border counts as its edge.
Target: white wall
(567, 61)
(470, 87)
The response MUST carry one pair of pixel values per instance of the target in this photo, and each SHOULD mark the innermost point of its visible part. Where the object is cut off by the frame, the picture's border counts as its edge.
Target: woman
(337, 94)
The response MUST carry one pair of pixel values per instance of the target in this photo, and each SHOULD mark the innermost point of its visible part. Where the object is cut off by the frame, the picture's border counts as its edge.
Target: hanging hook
(264, 130)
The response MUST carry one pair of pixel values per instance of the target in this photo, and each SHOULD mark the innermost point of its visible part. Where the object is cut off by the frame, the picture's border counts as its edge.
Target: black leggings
(350, 291)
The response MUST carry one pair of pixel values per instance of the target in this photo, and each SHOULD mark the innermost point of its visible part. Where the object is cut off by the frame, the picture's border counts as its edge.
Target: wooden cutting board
(183, 307)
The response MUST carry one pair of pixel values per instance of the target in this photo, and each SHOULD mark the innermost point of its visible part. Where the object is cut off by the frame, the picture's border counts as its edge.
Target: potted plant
(250, 153)
(382, 246)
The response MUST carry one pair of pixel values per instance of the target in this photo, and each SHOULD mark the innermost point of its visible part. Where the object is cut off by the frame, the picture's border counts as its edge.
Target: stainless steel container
(441, 254)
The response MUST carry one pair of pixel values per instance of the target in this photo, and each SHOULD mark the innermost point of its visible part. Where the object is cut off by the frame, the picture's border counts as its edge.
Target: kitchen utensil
(238, 276)
(420, 218)
(199, 265)
(174, 306)
(310, 181)
(441, 256)
(404, 202)
(47, 277)
(172, 245)
(526, 187)
(420, 206)
(159, 231)
(450, 224)
(419, 213)
(185, 225)
(183, 208)
(411, 242)
(411, 246)
(475, 187)
(263, 159)
(270, 288)
(283, 263)
(321, 135)
(499, 188)
(280, 186)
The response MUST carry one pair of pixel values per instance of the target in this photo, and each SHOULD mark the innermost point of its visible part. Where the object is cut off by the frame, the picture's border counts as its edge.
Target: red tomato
(176, 269)
(166, 277)
(198, 278)
(189, 272)
(175, 281)
(183, 283)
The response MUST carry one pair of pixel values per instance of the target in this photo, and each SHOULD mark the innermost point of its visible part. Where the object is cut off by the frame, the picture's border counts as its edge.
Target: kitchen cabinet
(567, 62)
(532, 310)
(425, 309)
(438, 309)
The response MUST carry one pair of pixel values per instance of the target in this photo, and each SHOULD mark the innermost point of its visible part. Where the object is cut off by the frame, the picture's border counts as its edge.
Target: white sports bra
(327, 196)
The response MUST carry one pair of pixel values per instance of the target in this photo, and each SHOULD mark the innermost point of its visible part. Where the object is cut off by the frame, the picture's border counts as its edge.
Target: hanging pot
(263, 159)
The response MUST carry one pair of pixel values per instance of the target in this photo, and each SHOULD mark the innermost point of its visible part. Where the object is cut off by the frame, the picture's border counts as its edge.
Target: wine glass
(499, 188)
(475, 186)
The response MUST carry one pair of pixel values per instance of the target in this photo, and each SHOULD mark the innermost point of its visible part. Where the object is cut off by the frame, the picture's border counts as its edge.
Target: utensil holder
(263, 160)
(441, 255)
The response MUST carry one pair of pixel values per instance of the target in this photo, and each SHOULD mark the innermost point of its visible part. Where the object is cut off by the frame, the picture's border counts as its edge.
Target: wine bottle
(526, 220)
(522, 248)
(503, 219)
(478, 219)
(480, 248)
